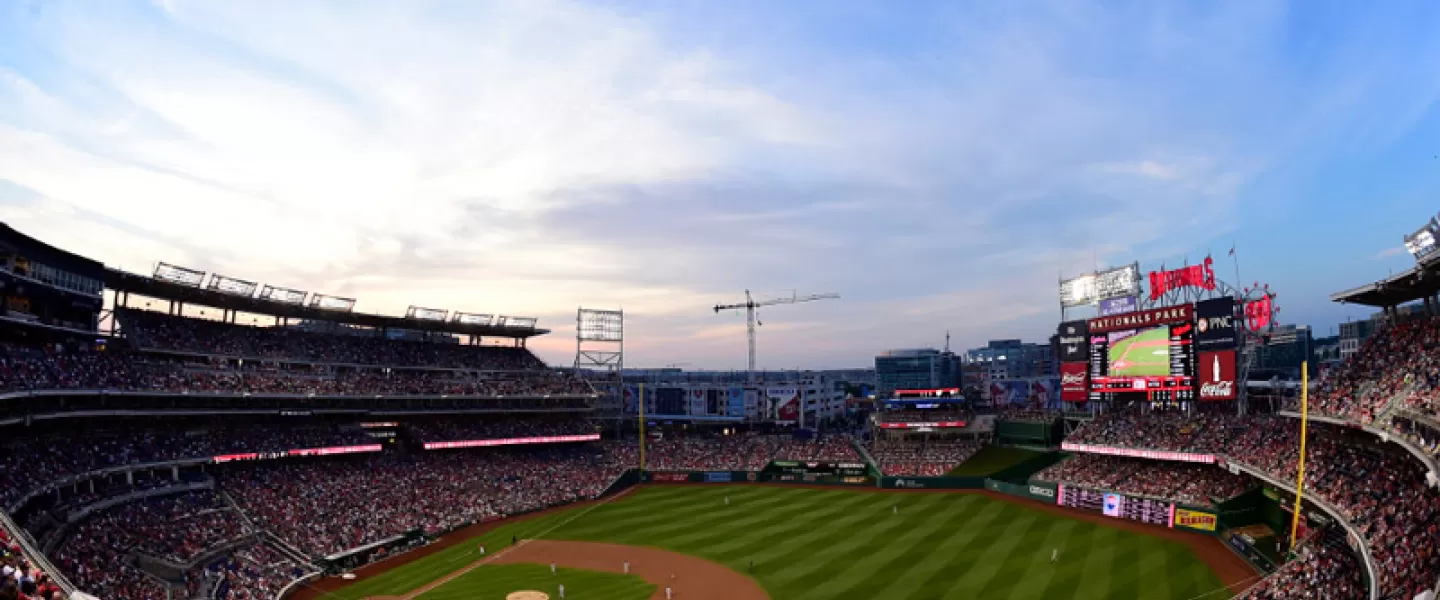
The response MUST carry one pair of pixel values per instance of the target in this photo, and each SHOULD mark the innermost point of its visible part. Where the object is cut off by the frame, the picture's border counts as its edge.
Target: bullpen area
(808, 544)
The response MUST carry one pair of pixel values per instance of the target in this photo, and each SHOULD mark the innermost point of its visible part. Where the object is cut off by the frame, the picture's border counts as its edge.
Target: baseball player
(1054, 555)
(562, 591)
(894, 509)
(727, 501)
(552, 568)
(668, 593)
(482, 549)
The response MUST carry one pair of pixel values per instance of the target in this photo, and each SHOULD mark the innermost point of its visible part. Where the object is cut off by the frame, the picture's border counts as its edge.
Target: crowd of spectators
(325, 506)
(29, 368)
(157, 331)
(830, 448)
(448, 430)
(1324, 568)
(1028, 413)
(930, 458)
(1188, 483)
(29, 464)
(1382, 491)
(21, 579)
(923, 416)
(255, 573)
(1402, 359)
(739, 452)
(177, 528)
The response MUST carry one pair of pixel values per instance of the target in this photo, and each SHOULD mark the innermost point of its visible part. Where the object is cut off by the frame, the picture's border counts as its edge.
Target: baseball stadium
(173, 447)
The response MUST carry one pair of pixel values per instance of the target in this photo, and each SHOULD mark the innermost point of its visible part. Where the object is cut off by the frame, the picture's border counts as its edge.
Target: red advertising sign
(551, 439)
(1216, 372)
(1141, 319)
(670, 477)
(916, 425)
(1073, 384)
(1200, 276)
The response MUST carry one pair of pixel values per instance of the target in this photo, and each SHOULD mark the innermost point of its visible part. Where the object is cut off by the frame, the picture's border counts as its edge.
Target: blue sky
(938, 166)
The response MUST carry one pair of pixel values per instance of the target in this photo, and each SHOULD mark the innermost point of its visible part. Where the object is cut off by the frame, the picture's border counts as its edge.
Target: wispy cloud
(939, 166)
(1389, 252)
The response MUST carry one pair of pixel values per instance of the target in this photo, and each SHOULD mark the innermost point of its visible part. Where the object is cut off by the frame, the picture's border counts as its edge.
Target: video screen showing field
(1140, 353)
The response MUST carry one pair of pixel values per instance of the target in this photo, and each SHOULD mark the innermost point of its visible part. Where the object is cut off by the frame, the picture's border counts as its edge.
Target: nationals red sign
(1142, 319)
(1073, 384)
(1216, 371)
(1200, 276)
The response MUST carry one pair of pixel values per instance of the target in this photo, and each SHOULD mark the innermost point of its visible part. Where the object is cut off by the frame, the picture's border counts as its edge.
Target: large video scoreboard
(1149, 351)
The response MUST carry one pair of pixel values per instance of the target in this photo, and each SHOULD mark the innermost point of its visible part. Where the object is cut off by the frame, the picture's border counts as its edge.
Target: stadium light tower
(600, 356)
(752, 318)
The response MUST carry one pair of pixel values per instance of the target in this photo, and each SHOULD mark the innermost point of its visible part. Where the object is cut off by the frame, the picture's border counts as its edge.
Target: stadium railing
(37, 558)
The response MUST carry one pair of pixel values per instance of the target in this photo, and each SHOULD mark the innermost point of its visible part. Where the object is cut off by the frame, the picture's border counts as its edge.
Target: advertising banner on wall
(1074, 340)
(697, 402)
(735, 401)
(1216, 371)
(1215, 324)
(1074, 385)
(1194, 519)
(1112, 506)
(785, 403)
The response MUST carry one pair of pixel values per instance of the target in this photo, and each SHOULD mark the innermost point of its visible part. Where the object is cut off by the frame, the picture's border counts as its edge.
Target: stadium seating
(931, 458)
(1194, 484)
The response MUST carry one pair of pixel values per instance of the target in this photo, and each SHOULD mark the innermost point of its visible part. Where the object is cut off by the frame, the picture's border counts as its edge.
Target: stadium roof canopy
(145, 285)
(1419, 281)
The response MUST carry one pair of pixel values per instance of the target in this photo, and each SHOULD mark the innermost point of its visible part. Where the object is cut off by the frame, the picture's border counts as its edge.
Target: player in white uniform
(562, 591)
(552, 568)
(1054, 554)
(667, 593)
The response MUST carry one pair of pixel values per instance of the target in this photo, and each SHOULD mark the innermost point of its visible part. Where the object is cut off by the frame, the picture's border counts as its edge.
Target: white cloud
(528, 156)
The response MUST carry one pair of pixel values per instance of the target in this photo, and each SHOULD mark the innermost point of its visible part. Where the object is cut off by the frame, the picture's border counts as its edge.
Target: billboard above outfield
(1091, 288)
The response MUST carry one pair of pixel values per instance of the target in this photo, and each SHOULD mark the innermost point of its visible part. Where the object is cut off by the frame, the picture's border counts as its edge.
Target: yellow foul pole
(642, 428)
(1304, 430)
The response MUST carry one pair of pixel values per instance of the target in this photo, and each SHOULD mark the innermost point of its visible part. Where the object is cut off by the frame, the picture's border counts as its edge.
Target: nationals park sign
(1180, 313)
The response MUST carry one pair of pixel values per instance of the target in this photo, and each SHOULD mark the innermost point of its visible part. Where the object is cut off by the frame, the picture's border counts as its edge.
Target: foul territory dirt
(1228, 567)
(689, 577)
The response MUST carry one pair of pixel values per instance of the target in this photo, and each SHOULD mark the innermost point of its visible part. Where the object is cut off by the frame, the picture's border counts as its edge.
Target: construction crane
(752, 318)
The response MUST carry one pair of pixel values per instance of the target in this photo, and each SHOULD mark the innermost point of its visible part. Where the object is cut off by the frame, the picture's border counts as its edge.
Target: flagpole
(1300, 472)
(1235, 259)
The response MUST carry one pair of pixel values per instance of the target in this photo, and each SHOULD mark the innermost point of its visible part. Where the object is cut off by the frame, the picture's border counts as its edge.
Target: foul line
(482, 562)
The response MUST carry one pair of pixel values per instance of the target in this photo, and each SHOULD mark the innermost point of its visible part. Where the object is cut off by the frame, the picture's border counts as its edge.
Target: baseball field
(807, 544)
(1142, 354)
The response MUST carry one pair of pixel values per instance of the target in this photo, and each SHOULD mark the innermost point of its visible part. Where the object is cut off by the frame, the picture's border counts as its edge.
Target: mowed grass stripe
(928, 572)
(799, 549)
(833, 578)
(812, 544)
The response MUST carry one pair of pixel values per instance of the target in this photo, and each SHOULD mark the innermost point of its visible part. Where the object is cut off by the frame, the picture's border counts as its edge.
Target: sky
(939, 165)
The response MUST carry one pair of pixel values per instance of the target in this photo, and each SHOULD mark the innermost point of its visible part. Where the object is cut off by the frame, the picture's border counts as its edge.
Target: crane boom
(750, 322)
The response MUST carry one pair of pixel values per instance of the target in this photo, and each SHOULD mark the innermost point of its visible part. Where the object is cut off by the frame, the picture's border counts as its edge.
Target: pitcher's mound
(527, 595)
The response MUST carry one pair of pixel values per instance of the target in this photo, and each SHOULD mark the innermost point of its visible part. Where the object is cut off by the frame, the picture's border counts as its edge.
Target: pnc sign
(1200, 276)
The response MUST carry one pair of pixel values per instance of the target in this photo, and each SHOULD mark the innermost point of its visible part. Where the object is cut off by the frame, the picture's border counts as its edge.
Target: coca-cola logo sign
(1217, 390)
(1216, 375)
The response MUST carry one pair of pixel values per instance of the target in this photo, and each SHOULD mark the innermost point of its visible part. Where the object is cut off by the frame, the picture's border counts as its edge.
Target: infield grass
(811, 544)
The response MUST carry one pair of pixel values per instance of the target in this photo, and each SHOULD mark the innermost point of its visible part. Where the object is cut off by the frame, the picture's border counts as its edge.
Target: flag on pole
(1232, 250)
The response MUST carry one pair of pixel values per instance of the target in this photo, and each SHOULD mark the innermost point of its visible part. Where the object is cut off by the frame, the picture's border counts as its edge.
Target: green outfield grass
(992, 459)
(1142, 361)
(813, 544)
